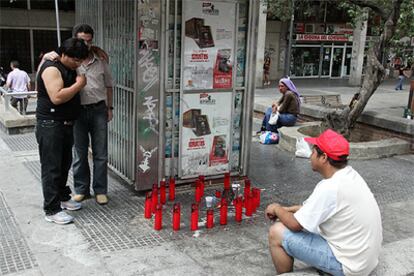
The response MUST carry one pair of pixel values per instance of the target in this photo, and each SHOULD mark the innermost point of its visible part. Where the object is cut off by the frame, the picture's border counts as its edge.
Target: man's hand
(80, 81)
(100, 53)
(110, 114)
(51, 56)
(271, 211)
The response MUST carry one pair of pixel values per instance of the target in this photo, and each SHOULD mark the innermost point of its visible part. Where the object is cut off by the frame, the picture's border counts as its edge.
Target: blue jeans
(311, 249)
(285, 119)
(93, 121)
(55, 140)
(400, 83)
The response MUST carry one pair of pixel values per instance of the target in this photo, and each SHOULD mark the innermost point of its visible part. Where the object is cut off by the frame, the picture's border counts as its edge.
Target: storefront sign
(208, 45)
(205, 136)
(321, 37)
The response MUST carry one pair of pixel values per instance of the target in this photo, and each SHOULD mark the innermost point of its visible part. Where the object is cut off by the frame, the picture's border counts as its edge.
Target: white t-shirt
(343, 210)
(18, 80)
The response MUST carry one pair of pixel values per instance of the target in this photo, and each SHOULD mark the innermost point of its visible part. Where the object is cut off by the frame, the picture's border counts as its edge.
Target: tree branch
(372, 6)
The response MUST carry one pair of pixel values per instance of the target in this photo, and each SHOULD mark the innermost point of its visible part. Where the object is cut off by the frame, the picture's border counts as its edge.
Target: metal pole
(289, 51)
(57, 22)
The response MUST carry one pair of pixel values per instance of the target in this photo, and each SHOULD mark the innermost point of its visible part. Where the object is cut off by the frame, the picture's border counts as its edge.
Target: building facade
(28, 30)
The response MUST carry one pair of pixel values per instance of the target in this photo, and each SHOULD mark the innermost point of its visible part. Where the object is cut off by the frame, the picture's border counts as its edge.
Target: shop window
(15, 45)
(15, 4)
(64, 5)
(305, 61)
(45, 41)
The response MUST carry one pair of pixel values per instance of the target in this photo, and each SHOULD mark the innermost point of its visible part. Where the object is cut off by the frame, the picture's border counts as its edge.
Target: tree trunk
(344, 120)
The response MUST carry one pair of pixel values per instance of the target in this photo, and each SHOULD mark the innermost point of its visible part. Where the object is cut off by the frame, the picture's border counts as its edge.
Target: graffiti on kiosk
(149, 114)
(150, 74)
(144, 166)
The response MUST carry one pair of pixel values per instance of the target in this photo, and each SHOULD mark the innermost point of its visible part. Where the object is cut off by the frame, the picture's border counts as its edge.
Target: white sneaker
(60, 218)
(70, 205)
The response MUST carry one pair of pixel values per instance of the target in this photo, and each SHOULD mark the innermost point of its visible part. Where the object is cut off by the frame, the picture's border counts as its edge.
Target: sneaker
(60, 218)
(102, 199)
(79, 197)
(70, 205)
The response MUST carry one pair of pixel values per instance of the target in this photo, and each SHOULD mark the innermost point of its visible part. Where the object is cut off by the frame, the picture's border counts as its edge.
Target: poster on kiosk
(208, 52)
(208, 45)
(205, 133)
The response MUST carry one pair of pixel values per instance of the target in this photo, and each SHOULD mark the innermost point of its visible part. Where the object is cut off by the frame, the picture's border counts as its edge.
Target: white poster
(208, 44)
(205, 133)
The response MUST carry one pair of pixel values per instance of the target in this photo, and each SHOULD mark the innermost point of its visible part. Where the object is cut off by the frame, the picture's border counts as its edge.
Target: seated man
(338, 229)
(285, 111)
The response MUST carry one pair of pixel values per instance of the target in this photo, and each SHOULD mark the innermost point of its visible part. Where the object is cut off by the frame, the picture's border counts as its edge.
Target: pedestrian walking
(401, 77)
(18, 81)
(58, 106)
(266, 70)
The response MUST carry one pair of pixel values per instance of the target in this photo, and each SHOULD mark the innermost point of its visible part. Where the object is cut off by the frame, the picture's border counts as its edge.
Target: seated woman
(285, 111)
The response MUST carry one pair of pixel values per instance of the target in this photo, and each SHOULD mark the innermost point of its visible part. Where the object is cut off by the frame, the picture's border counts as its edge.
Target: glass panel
(326, 60)
(15, 45)
(174, 44)
(64, 5)
(17, 4)
(305, 61)
(347, 65)
(45, 41)
(337, 62)
(241, 45)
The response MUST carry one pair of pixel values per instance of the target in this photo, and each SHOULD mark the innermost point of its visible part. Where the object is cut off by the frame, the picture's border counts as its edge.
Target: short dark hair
(82, 28)
(15, 63)
(74, 48)
(339, 164)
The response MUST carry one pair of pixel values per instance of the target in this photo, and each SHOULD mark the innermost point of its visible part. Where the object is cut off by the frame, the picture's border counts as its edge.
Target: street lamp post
(57, 22)
(289, 51)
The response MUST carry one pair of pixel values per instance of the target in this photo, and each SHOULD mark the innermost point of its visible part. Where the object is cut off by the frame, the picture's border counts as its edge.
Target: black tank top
(46, 110)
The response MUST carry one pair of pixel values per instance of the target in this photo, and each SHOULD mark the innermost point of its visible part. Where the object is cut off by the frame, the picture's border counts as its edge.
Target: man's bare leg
(282, 261)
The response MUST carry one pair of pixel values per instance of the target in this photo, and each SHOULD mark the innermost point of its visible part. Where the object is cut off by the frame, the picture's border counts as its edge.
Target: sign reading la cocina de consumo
(321, 37)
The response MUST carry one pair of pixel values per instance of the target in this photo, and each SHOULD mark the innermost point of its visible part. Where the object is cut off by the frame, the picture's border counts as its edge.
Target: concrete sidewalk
(116, 239)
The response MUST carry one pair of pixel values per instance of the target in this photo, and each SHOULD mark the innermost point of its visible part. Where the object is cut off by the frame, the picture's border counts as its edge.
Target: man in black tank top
(58, 105)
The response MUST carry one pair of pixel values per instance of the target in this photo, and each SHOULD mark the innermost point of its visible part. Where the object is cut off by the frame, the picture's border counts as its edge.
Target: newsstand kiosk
(184, 83)
(196, 88)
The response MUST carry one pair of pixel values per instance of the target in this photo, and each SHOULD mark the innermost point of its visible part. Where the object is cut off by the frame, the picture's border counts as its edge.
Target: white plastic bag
(273, 118)
(302, 148)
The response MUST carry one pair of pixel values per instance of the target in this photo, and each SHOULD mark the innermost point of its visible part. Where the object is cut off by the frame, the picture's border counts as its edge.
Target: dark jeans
(55, 141)
(285, 119)
(93, 120)
(22, 106)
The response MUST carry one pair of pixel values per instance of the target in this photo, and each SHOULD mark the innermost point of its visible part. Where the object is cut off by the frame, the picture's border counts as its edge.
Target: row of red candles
(251, 202)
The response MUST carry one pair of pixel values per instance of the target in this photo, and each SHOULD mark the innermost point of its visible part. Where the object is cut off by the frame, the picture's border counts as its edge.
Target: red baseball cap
(331, 143)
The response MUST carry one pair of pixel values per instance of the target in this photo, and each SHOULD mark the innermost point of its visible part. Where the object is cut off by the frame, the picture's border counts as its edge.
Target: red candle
(198, 194)
(218, 194)
(256, 198)
(238, 208)
(163, 195)
(194, 217)
(171, 192)
(148, 206)
(201, 177)
(223, 212)
(249, 205)
(158, 218)
(176, 216)
(154, 197)
(246, 187)
(227, 180)
(210, 218)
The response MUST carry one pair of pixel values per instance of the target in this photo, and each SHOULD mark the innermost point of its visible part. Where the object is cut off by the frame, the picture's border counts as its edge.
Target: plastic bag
(302, 148)
(268, 137)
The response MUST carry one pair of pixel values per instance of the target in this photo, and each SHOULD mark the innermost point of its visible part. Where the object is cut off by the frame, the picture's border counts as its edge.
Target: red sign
(321, 37)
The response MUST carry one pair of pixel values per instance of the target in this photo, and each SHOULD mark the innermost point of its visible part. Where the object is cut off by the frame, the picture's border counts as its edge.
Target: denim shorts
(311, 249)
